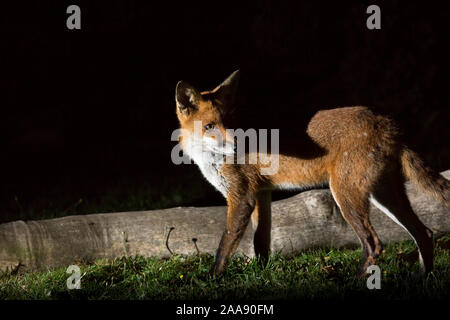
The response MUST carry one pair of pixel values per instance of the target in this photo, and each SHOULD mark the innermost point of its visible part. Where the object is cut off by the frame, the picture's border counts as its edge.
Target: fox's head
(201, 116)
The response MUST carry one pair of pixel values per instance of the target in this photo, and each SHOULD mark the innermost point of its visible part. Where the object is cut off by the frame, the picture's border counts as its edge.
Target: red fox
(362, 161)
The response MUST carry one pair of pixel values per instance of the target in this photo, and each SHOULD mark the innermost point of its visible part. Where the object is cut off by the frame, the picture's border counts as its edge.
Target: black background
(87, 111)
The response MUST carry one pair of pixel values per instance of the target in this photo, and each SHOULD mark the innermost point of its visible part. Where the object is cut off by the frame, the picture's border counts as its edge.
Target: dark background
(86, 115)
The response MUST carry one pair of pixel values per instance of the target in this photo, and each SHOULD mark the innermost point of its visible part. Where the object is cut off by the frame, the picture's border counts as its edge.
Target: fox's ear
(187, 98)
(226, 91)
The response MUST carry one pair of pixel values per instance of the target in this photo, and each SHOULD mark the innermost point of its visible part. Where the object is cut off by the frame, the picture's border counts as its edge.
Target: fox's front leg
(238, 217)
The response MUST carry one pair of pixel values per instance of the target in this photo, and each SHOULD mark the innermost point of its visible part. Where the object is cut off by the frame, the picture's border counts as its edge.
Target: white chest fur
(210, 164)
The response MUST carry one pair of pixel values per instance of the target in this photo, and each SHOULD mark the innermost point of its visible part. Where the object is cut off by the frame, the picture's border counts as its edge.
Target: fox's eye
(210, 126)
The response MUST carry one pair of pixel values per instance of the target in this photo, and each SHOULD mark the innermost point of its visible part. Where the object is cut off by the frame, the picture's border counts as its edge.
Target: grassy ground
(313, 275)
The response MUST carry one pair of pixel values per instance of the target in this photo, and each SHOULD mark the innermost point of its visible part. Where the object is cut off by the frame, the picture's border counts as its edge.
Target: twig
(194, 240)
(167, 240)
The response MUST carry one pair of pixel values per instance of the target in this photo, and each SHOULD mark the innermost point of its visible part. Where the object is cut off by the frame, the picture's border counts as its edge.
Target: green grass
(317, 274)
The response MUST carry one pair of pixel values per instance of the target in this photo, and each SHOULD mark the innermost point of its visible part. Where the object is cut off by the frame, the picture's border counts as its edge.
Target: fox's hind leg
(261, 220)
(354, 205)
(390, 197)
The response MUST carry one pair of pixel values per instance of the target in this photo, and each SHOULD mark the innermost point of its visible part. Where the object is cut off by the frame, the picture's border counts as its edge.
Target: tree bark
(309, 219)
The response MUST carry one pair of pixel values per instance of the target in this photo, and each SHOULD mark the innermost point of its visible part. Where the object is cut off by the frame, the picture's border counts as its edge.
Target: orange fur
(354, 151)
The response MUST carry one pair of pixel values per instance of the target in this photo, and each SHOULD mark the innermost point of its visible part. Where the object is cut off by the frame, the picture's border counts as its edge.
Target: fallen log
(309, 219)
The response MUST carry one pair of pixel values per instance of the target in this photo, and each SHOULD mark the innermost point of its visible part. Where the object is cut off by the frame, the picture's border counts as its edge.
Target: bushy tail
(424, 178)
